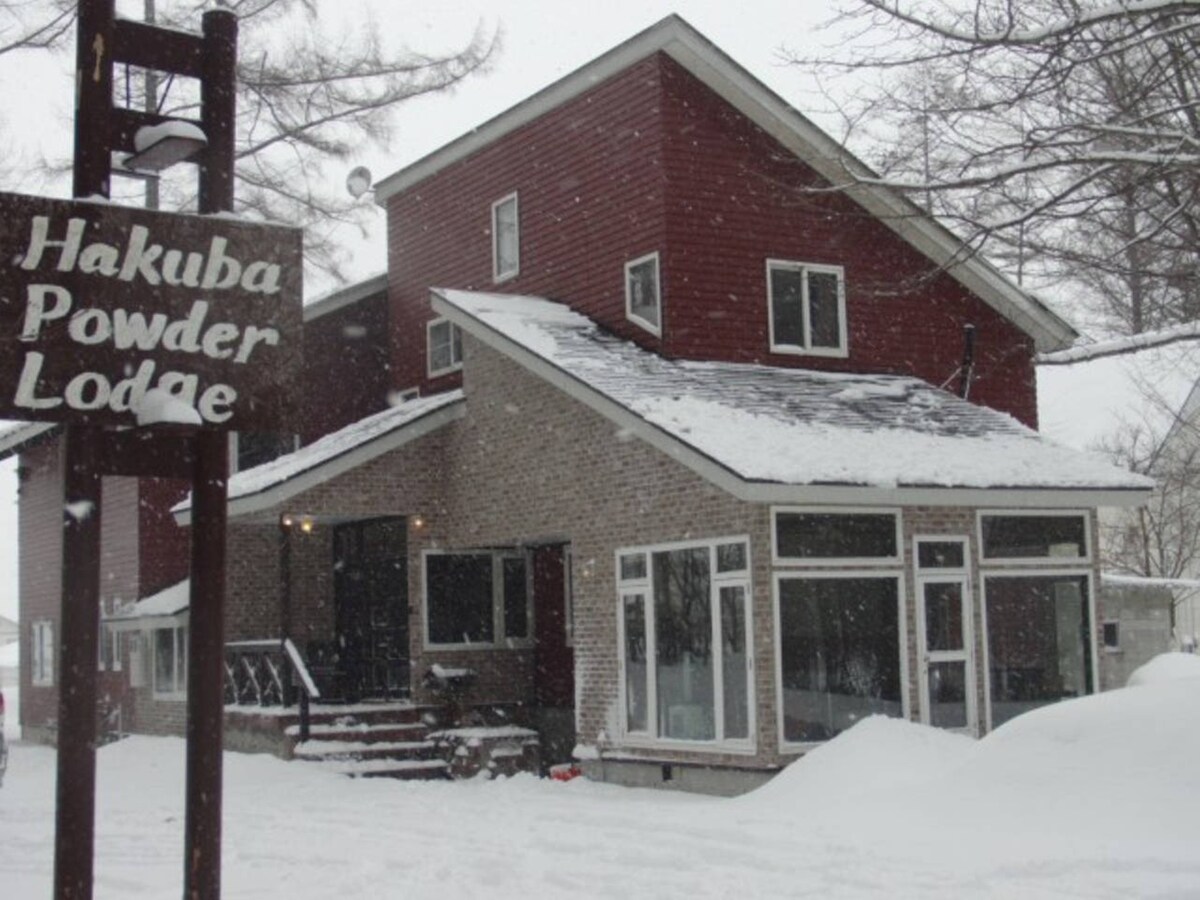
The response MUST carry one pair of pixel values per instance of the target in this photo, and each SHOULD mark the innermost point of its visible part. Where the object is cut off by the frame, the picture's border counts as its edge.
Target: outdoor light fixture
(286, 520)
(418, 521)
(306, 524)
(161, 146)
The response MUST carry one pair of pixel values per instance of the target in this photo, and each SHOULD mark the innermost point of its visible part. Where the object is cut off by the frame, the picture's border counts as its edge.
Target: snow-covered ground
(1094, 798)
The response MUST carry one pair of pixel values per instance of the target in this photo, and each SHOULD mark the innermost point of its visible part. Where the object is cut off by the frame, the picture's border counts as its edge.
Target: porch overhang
(263, 489)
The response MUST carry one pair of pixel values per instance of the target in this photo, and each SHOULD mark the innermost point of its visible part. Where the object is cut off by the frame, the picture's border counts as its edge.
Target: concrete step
(432, 769)
(362, 732)
(319, 750)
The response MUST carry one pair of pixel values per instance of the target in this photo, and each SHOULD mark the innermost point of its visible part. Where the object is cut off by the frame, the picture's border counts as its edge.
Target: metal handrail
(269, 670)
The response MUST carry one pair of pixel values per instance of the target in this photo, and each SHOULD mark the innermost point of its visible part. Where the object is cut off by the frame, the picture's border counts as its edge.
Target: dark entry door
(371, 597)
(554, 679)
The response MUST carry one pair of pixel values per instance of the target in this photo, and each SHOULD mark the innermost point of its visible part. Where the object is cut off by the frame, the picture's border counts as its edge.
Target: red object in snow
(565, 772)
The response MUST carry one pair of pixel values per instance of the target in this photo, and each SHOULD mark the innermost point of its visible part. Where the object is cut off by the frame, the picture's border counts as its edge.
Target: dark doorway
(554, 673)
(370, 583)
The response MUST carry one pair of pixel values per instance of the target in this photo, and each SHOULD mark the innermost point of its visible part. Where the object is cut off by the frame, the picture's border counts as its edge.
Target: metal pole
(75, 810)
(206, 619)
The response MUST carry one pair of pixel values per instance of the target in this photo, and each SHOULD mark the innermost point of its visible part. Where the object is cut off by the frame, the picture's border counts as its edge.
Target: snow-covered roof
(332, 301)
(15, 436)
(793, 435)
(158, 610)
(766, 109)
(280, 479)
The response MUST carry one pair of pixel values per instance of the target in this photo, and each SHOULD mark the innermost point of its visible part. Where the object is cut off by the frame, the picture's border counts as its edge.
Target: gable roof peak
(698, 55)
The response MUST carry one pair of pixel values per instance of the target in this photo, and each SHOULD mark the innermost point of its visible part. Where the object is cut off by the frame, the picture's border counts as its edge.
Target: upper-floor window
(443, 347)
(807, 305)
(643, 303)
(506, 238)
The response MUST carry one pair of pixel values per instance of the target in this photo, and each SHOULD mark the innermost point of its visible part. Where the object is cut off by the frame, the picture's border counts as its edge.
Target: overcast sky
(543, 40)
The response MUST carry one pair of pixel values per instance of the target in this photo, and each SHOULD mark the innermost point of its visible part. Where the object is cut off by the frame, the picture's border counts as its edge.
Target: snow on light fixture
(161, 146)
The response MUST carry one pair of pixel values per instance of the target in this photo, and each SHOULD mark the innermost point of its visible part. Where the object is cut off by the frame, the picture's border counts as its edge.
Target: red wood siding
(590, 189)
(733, 203)
(165, 548)
(345, 366)
(653, 160)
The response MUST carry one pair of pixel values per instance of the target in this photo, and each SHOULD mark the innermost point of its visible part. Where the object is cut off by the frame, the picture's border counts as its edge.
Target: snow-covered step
(345, 750)
(389, 768)
(362, 732)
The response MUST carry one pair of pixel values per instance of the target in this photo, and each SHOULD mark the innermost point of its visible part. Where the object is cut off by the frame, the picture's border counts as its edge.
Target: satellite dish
(358, 182)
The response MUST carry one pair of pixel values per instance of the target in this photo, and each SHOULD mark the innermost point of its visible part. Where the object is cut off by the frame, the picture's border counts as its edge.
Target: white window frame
(655, 330)
(806, 349)
(810, 562)
(946, 574)
(645, 587)
(1034, 572)
(501, 640)
(112, 638)
(786, 746)
(41, 653)
(178, 688)
(1031, 561)
(499, 275)
(455, 360)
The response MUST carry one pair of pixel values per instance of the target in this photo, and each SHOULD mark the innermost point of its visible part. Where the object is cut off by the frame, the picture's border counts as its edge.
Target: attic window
(443, 347)
(642, 301)
(807, 305)
(506, 238)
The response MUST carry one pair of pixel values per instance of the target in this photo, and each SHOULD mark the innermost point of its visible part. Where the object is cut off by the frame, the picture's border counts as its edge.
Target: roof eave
(281, 491)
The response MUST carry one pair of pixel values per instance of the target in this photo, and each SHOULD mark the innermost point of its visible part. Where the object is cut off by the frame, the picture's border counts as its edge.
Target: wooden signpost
(103, 308)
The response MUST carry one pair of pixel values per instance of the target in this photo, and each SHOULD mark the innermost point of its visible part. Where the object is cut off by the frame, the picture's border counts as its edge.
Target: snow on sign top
(793, 426)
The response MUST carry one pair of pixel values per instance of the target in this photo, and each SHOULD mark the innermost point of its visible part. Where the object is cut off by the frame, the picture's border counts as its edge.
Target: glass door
(948, 697)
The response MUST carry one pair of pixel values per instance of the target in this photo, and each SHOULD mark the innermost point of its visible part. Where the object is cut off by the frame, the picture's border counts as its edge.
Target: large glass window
(807, 308)
(685, 642)
(642, 301)
(1029, 537)
(814, 535)
(1039, 645)
(476, 598)
(506, 238)
(839, 643)
(170, 662)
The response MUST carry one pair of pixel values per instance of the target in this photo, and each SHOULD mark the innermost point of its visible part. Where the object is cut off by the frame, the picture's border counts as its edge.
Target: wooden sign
(100, 304)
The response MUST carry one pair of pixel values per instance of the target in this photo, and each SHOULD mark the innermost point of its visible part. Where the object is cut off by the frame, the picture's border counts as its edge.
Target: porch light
(306, 524)
(286, 520)
(418, 521)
